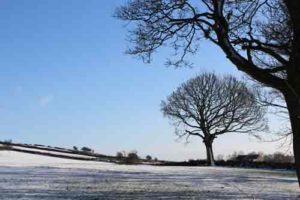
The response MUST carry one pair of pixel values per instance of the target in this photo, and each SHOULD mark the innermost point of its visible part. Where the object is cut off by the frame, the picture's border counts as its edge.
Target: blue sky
(65, 80)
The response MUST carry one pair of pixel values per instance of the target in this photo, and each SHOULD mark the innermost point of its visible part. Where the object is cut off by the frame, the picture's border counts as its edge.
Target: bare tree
(208, 106)
(260, 37)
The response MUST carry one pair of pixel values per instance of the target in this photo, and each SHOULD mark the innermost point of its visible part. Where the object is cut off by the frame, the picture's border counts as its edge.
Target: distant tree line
(276, 157)
(133, 158)
(276, 160)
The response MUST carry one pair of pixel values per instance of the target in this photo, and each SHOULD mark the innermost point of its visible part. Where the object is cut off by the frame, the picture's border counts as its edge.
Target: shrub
(278, 157)
(86, 149)
(148, 158)
(120, 155)
(132, 158)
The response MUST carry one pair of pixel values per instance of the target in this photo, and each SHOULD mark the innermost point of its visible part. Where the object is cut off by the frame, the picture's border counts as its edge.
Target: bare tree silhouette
(208, 106)
(260, 37)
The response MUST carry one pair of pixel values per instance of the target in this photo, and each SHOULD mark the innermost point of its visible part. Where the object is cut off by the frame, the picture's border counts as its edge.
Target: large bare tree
(260, 37)
(208, 106)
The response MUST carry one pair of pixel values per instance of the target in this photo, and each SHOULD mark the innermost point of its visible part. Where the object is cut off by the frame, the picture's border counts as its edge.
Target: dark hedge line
(231, 163)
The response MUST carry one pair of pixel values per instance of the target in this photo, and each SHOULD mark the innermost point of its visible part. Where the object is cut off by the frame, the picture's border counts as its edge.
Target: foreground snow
(26, 176)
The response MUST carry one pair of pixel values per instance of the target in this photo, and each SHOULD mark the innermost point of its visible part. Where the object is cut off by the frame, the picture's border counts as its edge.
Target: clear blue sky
(65, 80)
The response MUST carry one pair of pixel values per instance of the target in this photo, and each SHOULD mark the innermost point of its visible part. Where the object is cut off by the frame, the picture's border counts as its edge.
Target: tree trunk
(209, 153)
(292, 97)
(294, 114)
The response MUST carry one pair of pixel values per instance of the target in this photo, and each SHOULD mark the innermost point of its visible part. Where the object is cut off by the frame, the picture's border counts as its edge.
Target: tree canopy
(208, 106)
(255, 35)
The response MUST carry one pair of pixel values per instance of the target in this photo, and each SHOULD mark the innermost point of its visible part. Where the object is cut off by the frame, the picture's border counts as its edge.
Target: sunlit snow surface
(26, 176)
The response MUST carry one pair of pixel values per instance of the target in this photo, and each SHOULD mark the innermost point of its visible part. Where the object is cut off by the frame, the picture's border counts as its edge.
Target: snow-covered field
(26, 176)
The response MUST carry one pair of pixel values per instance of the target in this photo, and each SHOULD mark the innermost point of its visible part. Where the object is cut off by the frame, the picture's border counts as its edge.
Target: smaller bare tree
(208, 106)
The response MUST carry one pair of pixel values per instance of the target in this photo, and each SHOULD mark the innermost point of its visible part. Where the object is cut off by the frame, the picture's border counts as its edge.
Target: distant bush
(278, 157)
(148, 158)
(276, 160)
(120, 155)
(86, 149)
(75, 148)
(131, 158)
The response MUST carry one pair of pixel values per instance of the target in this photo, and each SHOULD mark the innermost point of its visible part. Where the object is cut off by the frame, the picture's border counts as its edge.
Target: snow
(18, 159)
(28, 176)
